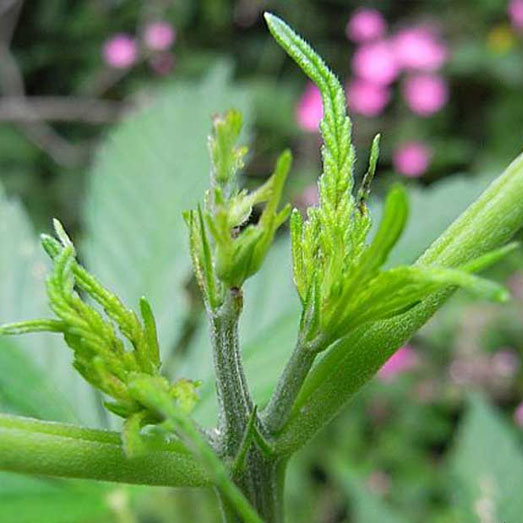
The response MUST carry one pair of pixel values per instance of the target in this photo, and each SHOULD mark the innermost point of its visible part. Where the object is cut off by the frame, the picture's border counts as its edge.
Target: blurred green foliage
(58, 43)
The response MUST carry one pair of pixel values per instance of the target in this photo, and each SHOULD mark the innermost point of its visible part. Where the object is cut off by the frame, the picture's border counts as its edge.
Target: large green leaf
(26, 389)
(269, 325)
(487, 468)
(26, 500)
(153, 166)
(36, 377)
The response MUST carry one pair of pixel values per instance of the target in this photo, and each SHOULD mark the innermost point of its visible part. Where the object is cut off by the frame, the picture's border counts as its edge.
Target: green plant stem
(56, 449)
(487, 224)
(262, 482)
(261, 477)
(234, 401)
(280, 405)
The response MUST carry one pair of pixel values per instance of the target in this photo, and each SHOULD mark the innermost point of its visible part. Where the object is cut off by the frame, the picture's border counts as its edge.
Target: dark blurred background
(441, 80)
(60, 92)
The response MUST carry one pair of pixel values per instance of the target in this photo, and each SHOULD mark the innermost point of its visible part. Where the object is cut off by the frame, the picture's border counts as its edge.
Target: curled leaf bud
(224, 250)
(112, 348)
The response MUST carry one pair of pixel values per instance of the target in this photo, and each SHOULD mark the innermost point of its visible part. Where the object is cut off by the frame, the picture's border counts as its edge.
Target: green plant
(353, 311)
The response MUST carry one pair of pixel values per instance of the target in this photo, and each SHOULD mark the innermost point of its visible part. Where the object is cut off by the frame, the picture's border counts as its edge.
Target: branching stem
(487, 224)
(287, 389)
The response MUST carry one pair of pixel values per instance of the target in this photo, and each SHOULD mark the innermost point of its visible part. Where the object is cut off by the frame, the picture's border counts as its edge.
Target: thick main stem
(234, 400)
(262, 482)
(261, 476)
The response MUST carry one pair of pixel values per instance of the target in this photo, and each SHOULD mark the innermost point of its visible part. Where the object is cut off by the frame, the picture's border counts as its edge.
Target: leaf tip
(269, 17)
(274, 23)
(286, 157)
(60, 232)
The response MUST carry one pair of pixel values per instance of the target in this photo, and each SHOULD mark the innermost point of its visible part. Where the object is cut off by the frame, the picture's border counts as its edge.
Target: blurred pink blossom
(162, 63)
(379, 482)
(367, 98)
(159, 36)
(518, 415)
(402, 360)
(365, 24)
(376, 63)
(419, 48)
(426, 391)
(515, 284)
(504, 363)
(426, 94)
(465, 371)
(309, 111)
(412, 159)
(310, 197)
(120, 51)
(515, 11)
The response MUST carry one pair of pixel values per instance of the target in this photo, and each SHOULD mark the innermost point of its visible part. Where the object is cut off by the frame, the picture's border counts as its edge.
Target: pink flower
(402, 360)
(419, 48)
(159, 36)
(310, 196)
(367, 98)
(376, 63)
(365, 24)
(120, 51)
(309, 111)
(379, 482)
(412, 159)
(504, 363)
(515, 284)
(515, 11)
(426, 94)
(518, 415)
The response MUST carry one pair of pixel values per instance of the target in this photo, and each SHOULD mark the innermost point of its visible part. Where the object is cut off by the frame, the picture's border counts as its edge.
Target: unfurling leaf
(224, 250)
(338, 274)
(107, 358)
